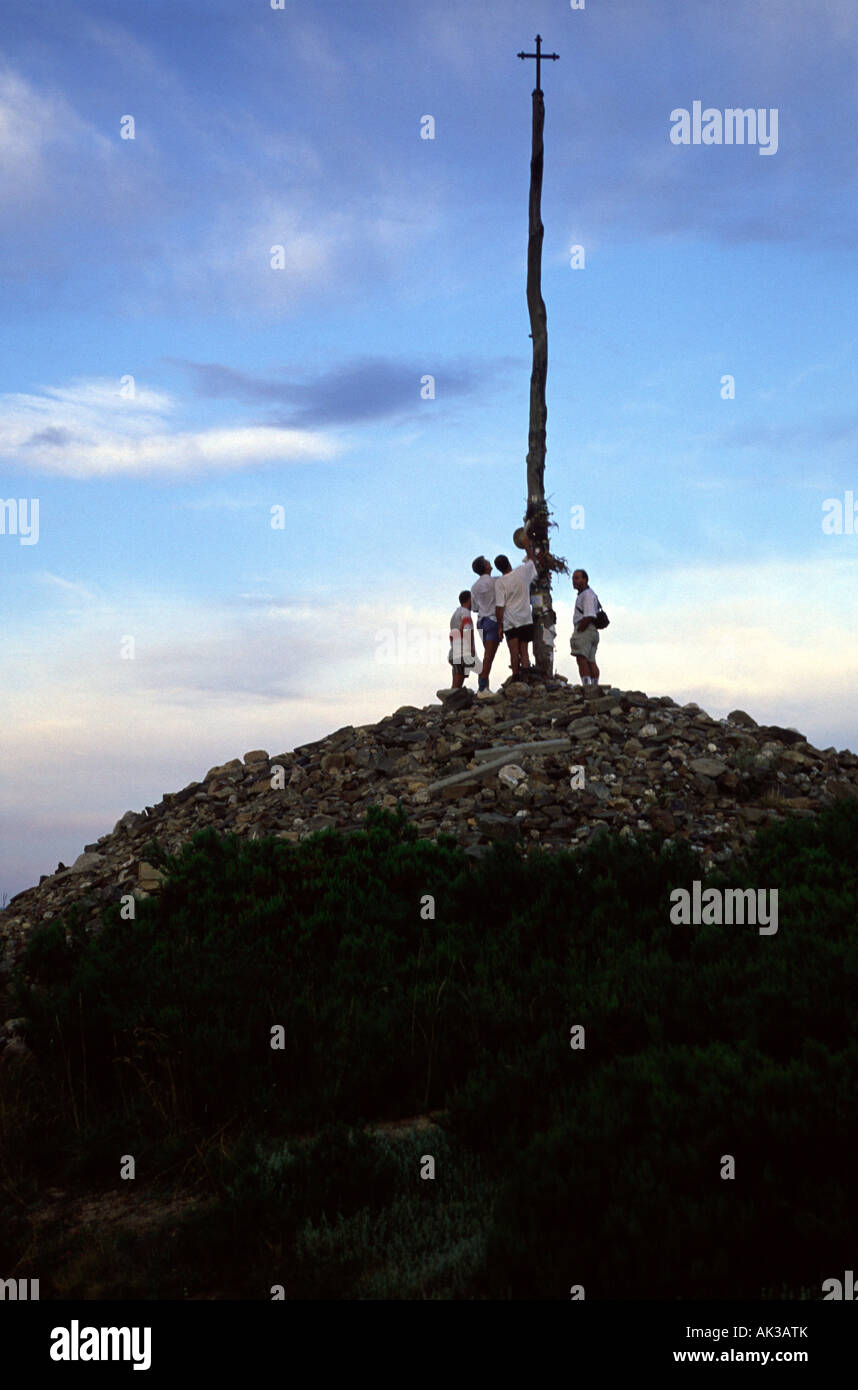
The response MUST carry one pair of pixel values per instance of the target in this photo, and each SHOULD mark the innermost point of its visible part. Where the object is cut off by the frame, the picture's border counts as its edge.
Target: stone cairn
(540, 763)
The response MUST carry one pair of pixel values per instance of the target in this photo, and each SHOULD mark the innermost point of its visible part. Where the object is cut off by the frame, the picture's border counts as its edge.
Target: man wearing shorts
(514, 613)
(585, 638)
(484, 601)
(462, 640)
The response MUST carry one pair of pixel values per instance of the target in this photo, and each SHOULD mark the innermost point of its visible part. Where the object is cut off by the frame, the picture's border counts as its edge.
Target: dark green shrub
(604, 1162)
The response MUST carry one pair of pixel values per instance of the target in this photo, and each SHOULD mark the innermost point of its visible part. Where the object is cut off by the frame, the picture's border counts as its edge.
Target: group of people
(503, 607)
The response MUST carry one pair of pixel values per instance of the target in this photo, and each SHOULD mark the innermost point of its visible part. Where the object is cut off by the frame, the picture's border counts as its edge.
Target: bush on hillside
(701, 1041)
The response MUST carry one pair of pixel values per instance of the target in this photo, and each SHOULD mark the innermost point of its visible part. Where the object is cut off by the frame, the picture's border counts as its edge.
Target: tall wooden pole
(537, 513)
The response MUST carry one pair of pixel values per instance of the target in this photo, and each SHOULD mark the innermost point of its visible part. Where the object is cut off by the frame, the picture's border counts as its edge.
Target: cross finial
(539, 55)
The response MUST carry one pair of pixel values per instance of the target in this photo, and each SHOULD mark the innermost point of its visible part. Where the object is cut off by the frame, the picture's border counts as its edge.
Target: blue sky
(256, 387)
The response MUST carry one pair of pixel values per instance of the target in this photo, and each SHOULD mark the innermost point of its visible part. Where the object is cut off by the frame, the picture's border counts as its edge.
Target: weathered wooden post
(536, 517)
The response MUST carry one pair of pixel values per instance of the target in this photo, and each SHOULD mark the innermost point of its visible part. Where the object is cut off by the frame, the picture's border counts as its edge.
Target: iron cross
(539, 55)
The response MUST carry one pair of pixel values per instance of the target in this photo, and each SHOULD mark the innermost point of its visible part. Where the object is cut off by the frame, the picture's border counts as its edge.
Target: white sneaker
(485, 694)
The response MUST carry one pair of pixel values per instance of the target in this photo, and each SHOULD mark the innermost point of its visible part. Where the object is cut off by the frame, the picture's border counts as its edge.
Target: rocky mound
(546, 765)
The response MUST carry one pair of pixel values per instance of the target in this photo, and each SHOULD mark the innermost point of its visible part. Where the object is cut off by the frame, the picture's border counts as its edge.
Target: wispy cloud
(89, 429)
(369, 388)
(79, 596)
(60, 170)
(36, 128)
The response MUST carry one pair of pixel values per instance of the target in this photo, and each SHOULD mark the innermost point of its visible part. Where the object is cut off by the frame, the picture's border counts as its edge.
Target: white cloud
(35, 127)
(68, 185)
(776, 637)
(78, 596)
(88, 429)
(56, 168)
(329, 250)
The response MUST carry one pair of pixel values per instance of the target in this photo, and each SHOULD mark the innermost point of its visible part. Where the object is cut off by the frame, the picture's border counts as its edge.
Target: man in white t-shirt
(585, 638)
(514, 613)
(462, 640)
(484, 597)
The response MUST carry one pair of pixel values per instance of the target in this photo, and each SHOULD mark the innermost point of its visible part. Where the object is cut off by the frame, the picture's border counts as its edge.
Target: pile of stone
(538, 764)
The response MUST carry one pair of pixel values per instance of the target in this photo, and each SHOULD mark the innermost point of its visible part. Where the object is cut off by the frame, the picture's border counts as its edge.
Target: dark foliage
(597, 1166)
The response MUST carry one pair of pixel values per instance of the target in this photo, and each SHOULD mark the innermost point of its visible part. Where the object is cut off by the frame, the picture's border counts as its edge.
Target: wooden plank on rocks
(500, 758)
(540, 746)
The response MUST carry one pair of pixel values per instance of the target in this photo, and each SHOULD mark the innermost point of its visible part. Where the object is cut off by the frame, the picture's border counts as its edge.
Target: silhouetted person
(484, 596)
(462, 639)
(514, 613)
(585, 637)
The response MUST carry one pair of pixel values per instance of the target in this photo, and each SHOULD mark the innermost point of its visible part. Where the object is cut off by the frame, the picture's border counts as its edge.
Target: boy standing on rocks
(484, 597)
(585, 638)
(462, 640)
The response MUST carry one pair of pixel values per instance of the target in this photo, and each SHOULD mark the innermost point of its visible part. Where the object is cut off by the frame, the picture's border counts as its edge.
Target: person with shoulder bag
(588, 618)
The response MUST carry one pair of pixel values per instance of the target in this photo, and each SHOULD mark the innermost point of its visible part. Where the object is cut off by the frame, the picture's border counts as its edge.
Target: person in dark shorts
(484, 601)
(514, 613)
